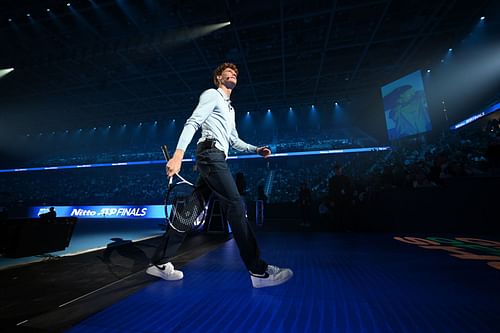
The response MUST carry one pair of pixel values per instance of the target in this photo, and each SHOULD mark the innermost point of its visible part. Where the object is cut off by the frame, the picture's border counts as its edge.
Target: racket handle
(164, 149)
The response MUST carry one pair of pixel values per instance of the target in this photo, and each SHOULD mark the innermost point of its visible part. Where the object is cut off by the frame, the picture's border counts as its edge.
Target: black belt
(207, 144)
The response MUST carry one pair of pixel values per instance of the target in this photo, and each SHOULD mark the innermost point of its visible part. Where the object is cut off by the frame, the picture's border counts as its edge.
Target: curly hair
(218, 71)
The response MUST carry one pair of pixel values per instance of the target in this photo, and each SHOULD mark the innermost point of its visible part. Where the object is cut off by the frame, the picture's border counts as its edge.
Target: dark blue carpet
(342, 283)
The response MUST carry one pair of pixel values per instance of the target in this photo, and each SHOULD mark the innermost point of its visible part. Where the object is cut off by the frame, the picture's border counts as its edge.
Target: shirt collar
(226, 98)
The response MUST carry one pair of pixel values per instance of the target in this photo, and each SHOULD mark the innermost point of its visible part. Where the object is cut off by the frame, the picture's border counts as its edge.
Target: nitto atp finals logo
(99, 212)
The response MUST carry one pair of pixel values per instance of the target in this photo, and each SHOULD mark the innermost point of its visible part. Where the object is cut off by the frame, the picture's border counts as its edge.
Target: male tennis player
(215, 115)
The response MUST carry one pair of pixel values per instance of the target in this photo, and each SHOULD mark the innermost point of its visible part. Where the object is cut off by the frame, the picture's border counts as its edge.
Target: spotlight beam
(189, 34)
(5, 71)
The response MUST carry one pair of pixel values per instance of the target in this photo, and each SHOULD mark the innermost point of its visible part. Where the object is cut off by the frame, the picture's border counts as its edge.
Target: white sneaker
(272, 277)
(165, 272)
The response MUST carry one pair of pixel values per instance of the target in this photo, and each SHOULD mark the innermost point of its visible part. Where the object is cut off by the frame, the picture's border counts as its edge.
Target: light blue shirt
(215, 115)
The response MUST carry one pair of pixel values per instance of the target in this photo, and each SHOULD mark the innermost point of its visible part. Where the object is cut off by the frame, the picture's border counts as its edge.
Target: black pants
(216, 178)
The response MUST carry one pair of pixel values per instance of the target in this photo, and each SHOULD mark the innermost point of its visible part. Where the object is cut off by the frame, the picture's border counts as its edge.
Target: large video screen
(405, 107)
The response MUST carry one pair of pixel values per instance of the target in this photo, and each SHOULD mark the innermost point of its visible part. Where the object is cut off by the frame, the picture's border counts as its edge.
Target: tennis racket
(184, 205)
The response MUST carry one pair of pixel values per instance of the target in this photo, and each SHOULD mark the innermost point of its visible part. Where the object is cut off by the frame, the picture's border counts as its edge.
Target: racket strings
(186, 207)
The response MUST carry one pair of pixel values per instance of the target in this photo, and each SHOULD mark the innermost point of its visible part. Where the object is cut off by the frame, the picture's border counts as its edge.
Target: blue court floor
(342, 283)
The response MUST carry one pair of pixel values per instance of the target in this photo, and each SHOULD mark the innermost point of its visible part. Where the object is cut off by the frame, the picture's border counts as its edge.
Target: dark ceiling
(101, 61)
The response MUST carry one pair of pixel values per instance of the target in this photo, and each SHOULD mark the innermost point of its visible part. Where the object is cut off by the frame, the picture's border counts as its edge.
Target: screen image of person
(405, 107)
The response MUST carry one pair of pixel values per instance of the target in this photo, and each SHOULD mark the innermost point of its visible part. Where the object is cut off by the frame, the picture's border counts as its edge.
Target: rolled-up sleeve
(204, 108)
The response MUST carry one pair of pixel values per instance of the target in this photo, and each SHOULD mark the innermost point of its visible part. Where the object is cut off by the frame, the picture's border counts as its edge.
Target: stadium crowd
(412, 163)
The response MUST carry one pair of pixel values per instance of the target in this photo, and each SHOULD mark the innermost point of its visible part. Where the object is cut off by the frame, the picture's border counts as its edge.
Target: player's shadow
(123, 257)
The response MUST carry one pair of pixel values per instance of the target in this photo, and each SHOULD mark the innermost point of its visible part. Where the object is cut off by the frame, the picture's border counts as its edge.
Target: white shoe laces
(168, 268)
(272, 269)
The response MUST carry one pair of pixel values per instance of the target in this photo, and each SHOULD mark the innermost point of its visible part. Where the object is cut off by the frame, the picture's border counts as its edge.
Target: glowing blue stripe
(95, 165)
(316, 152)
(302, 153)
(475, 117)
